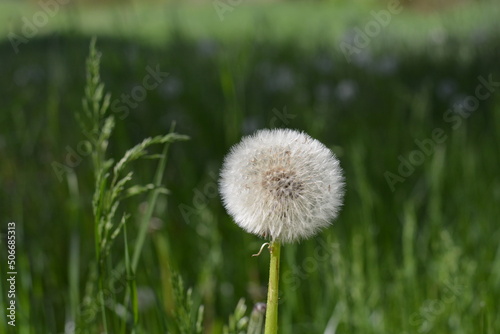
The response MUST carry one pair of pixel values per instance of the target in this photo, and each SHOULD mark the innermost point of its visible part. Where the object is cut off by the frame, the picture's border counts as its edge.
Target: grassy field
(414, 119)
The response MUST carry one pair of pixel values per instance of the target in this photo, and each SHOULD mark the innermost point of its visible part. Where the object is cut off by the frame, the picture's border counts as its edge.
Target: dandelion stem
(272, 293)
(262, 247)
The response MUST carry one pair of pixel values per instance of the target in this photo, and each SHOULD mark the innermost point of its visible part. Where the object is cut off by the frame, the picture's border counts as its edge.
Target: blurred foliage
(423, 258)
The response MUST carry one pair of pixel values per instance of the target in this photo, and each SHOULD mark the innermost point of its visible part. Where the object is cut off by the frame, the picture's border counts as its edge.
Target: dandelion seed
(282, 184)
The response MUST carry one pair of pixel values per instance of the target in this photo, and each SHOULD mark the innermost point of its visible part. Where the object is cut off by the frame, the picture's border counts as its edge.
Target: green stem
(272, 293)
(100, 272)
(151, 205)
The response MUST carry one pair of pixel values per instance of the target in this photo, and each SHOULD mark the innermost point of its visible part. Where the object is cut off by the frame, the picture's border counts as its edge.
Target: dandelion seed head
(281, 184)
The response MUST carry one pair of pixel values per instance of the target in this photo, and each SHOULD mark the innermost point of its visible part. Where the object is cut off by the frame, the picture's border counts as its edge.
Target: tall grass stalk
(151, 204)
(112, 187)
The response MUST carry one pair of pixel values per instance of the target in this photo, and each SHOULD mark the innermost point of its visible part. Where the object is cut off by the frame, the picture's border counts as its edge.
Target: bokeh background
(393, 93)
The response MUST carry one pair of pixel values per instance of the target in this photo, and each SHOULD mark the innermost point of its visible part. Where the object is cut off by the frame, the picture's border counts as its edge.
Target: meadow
(414, 118)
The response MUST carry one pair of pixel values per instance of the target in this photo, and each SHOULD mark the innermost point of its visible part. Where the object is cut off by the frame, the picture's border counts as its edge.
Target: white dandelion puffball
(281, 184)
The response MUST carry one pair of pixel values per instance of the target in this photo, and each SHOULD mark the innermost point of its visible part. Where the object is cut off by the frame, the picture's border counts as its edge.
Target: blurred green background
(416, 247)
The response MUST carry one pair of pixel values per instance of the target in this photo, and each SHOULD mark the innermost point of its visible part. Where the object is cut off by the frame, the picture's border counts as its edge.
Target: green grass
(422, 258)
(300, 22)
